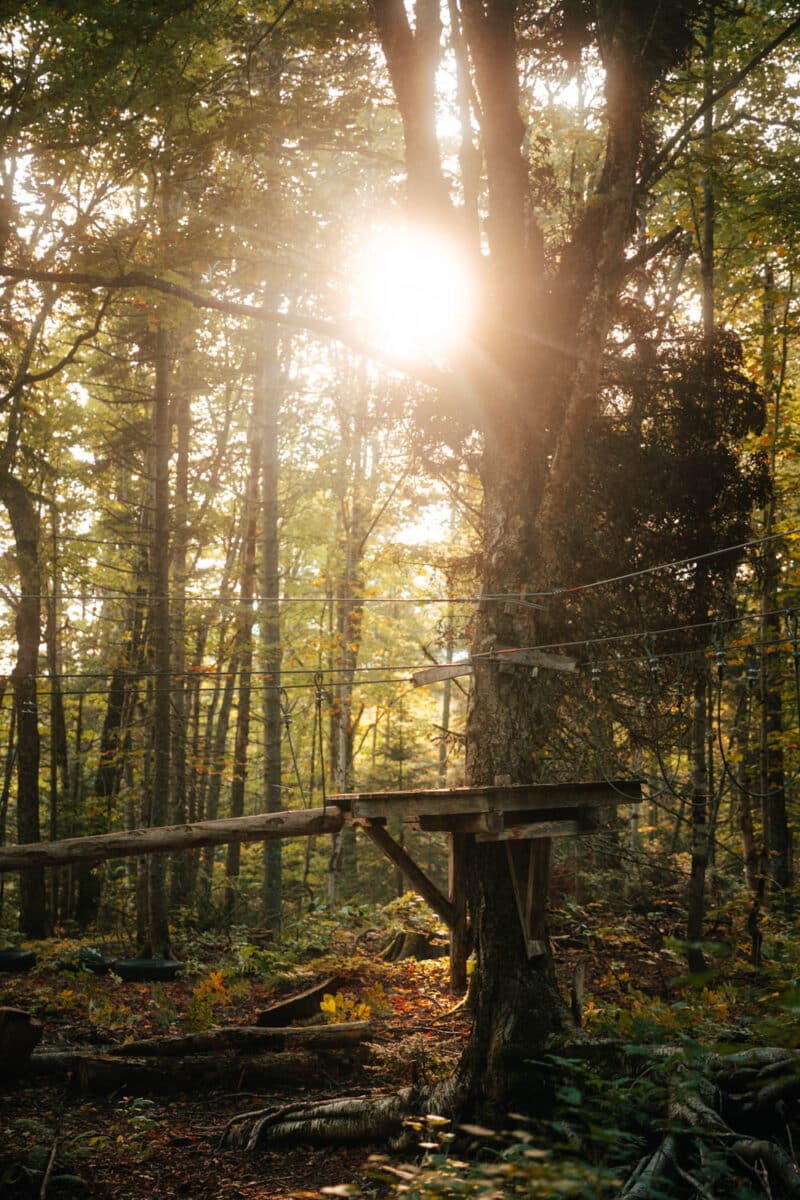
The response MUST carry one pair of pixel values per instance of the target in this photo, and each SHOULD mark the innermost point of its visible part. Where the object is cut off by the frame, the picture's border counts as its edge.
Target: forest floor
(130, 1146)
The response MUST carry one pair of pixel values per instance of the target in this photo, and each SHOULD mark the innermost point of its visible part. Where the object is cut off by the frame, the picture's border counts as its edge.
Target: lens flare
(414, 293)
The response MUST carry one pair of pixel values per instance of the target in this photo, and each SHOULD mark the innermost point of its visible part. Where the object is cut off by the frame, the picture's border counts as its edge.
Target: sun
(414, 293)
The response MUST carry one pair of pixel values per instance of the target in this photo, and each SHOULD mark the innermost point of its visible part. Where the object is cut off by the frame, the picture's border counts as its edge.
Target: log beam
(167, 838)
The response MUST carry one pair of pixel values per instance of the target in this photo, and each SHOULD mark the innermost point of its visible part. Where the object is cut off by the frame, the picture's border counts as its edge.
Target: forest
(400, 604)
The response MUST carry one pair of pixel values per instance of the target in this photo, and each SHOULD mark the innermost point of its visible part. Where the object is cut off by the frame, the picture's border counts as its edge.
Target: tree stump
(19, 1033)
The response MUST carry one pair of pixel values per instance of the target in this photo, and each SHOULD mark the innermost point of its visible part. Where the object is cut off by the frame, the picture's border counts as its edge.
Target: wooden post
(529, 864)
(459, 934)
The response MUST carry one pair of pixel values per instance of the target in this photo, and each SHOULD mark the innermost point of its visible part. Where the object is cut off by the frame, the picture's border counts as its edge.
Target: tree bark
(268, 385)
(776, 833)
(158, 937)
(244, 639)
(25, 525)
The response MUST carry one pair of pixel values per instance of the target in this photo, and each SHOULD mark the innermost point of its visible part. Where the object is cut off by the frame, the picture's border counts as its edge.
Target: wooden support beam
(162, 839)
(573, 826)
(459, 933)
(415, 876)
(529, 864)
(504, 824)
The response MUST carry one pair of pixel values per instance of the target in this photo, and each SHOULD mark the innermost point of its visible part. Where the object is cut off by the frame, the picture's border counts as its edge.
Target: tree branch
(342, 331)
(40, 376)
(666, 156)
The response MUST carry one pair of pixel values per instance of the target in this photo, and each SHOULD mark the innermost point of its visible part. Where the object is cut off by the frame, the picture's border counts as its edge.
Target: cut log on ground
(100, 1074)
(411, 944)
(249, 1039)
(299, 1006)
(161, 840)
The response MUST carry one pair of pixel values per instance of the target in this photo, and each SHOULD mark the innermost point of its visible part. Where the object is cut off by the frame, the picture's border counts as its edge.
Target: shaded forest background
(231, 533)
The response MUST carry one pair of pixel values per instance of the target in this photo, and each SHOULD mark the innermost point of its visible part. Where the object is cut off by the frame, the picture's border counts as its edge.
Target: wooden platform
(497, 813)
(525, 817)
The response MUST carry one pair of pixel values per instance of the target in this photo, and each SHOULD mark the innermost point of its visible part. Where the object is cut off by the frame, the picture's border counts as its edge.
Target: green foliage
(209, 995)
(490, 1165)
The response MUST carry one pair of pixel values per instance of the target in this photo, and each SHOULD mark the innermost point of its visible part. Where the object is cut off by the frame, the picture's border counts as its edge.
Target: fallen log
(167, 838)
(247, 1039)
(100, 1074)
(299, 1006)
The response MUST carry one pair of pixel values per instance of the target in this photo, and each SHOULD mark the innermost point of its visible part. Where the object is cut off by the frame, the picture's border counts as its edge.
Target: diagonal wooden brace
(414, 874)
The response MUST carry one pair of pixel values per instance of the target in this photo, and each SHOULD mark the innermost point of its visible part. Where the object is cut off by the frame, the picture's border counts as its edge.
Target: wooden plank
(529, 865)
(446, 671)
(165, 838)
(574, 822)
(529, 657)
(520, 864)
(414, 874)
(537, 829)
(497, 821)
(519, 797)
(444, 803)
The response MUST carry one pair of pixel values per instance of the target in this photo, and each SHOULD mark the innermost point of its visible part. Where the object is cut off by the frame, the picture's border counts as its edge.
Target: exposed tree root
(732, 1110)
(696, 1126)
(351, 1119)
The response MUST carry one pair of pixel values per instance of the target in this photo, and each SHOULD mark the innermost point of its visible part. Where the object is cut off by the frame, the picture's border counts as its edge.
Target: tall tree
(534, 378)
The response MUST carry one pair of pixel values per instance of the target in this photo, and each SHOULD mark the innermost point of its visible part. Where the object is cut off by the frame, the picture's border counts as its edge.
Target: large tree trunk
(532, 383)
(535, 375)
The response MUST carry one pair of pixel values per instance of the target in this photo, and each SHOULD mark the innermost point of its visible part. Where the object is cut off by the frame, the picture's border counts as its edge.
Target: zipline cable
(526, 596)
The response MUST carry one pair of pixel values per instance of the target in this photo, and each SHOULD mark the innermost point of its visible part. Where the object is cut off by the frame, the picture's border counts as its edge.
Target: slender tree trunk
(178, 809)
(743, 801)
(269, 387)
(776, 833)
(695, 920)
(59, 754)
(25, 526)
(158, 941)
(193, 792)
(5, 793)
(216, 770)
(120, 704)
(244, 641)
(343, 872)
